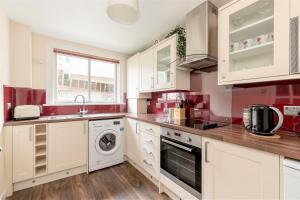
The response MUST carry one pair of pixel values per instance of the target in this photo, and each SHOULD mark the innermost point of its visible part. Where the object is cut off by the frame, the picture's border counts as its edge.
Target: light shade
(123, 11)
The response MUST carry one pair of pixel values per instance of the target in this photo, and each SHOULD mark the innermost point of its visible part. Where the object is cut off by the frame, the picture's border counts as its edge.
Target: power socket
(291, 110)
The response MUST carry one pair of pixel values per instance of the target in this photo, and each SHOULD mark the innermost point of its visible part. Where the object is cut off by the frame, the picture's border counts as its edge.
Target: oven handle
(177, 145)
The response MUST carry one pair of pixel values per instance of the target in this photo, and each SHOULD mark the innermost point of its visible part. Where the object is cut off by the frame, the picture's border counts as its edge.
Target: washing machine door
(108, 142)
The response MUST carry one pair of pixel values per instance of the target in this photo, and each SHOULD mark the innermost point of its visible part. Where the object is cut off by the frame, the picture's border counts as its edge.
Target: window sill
(80, 104)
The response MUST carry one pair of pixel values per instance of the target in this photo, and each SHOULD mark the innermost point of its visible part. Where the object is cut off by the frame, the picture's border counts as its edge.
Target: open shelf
(40, 171)
(40, 149)
(252, 51)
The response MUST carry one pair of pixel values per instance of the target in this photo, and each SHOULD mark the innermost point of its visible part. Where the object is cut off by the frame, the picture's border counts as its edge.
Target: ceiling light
(123, 11)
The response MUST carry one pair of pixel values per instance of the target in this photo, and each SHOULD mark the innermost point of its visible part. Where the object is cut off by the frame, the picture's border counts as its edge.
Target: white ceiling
(85, 21)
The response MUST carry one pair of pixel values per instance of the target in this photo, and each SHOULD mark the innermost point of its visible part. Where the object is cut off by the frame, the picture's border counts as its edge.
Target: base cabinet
(23, 153)
(142, 145)
(132, 140)
(67, 145)
(235, 172)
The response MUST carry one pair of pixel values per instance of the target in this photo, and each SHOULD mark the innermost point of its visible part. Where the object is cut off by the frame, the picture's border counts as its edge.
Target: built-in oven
(180, 159)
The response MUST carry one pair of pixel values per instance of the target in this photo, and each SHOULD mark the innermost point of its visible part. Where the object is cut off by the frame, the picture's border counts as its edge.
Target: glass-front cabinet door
(253, 40)
(165, 57)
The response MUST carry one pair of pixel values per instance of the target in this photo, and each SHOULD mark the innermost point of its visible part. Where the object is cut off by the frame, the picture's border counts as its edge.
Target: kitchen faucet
(82, 111)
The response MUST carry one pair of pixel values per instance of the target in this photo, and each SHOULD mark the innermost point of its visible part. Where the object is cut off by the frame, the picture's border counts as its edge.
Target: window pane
(103, 88)
(72, 78)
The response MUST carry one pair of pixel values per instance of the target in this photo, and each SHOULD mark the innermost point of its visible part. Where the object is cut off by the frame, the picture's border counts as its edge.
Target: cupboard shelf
(40, 134)
(43, 143)
(260, 22)
(252, 51)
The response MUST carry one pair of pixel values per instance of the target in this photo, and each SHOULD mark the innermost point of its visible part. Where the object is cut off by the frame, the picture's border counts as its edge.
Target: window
(94, 78)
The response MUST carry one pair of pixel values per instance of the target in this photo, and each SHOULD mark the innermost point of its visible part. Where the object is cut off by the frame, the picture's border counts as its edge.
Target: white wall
(44, 59)
(4, 79)
(20, 55)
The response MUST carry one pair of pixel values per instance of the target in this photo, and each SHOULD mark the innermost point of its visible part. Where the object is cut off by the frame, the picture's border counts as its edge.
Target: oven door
(181, 163)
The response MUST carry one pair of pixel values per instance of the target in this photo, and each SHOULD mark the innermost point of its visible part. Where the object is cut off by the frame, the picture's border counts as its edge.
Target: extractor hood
(201, 39)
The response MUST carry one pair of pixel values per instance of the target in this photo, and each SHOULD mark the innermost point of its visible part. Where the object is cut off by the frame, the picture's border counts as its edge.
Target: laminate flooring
(120, 182)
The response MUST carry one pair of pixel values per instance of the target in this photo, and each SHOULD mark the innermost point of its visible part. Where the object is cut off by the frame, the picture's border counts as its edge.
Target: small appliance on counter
(260, 120)
(26, 112)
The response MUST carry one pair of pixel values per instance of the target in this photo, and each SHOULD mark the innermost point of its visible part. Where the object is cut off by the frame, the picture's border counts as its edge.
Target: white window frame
(53, 80)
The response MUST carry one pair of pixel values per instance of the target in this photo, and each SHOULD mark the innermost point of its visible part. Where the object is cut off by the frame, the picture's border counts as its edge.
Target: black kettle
(261, 121)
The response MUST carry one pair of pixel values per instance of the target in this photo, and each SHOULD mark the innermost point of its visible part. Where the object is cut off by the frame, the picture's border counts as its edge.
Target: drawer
(149, 140)
(151, 167)
(150, 128)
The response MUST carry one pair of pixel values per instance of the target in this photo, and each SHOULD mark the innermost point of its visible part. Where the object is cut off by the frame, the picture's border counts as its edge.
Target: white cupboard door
(133, 78)
(67, 145)
(253, 40)
(295, 8)
(147, 70)
(235, 172)
(132, 140)
(165, 63)
(23, 153)
(133, 70)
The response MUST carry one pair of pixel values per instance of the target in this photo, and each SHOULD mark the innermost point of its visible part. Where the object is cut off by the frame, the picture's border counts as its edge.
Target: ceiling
(85, 21)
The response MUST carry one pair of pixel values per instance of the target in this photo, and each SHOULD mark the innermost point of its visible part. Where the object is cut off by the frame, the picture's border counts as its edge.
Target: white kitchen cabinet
(67, 145)
(147, 70)
(133, 140)
(158, 68)
(253, 41)
(23, 153)
(295, 8)
(234, 172)
(133, 78)
(165, 67)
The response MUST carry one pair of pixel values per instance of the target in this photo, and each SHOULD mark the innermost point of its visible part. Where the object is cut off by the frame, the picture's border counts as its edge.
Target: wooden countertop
(287, 145)
(65, 118)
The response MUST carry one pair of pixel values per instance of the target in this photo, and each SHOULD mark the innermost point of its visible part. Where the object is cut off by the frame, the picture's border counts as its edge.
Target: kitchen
(138, 99)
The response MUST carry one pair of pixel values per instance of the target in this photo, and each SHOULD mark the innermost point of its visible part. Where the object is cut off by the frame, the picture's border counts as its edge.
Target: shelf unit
(40, 150)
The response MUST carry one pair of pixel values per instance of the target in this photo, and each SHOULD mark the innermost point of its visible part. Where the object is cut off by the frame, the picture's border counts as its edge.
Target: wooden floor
(118, 182)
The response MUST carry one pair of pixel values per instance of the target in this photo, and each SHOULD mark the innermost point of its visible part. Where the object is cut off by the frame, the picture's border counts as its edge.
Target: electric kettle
(260, 119)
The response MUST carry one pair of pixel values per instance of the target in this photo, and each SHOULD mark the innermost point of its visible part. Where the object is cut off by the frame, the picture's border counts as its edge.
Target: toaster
(24, 112)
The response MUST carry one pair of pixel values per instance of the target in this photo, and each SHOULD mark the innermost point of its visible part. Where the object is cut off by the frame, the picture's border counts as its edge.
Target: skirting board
(49, 178)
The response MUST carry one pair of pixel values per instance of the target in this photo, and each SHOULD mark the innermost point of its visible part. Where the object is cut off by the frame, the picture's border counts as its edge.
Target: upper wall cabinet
(133, 78)
(158, 68)
(253, 41)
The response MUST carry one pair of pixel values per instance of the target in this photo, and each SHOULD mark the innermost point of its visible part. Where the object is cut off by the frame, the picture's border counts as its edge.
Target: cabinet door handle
(152, 82)
(1, 148)
(206, 152)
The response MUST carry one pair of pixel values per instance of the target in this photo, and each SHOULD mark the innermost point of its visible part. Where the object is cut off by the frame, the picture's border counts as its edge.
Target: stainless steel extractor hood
(201, 39)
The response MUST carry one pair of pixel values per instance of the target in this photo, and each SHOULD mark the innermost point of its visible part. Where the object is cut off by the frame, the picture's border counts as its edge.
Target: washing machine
(106, 143)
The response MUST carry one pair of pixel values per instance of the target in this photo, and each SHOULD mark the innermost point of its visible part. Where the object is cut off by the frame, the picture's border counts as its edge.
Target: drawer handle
(148, 152)
(149, 164)
(149, 129)
(149, 141)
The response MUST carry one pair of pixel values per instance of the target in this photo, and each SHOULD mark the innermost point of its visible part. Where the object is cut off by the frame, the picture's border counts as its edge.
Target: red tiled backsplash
(23, 96)
(278, 95)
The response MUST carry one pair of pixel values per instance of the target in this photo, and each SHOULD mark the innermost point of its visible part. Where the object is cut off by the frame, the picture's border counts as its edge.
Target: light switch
(291, 110)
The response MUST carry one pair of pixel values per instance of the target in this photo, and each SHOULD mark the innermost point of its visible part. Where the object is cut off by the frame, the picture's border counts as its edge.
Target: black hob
(197, 123)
